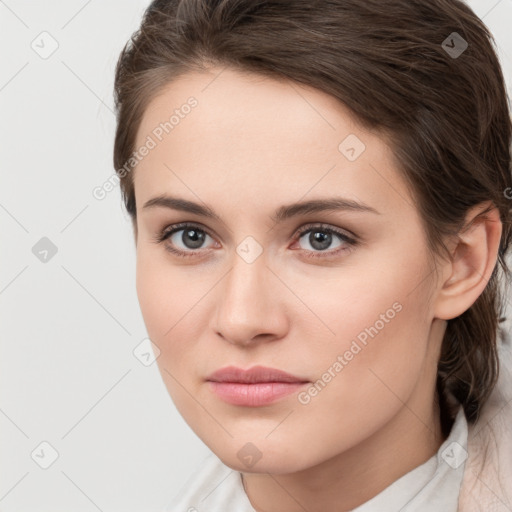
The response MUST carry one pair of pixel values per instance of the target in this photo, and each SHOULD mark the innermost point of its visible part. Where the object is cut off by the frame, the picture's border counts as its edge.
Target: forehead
(259, 137)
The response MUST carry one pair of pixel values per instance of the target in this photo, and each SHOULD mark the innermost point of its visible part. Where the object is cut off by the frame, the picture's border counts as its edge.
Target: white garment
(434, 485)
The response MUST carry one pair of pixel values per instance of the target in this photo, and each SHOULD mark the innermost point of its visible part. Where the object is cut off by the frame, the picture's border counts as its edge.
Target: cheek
(174, 302)
(163, 295)
(167, 307)
(361, 385)
(372, 300)
(175, 320)
(379, 320)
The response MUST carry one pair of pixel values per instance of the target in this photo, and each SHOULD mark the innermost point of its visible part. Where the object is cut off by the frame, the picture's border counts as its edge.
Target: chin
(249, 458)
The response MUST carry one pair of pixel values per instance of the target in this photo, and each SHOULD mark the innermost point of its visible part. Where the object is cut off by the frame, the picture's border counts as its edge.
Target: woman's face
(339, 296)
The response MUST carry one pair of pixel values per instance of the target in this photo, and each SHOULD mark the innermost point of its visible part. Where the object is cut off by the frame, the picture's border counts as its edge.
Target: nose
(250, 304)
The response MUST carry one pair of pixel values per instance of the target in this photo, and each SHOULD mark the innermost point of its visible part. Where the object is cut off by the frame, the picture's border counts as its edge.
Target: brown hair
(446, 115)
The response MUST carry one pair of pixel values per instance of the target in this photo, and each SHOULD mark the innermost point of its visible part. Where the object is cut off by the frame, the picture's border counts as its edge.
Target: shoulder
(487, 483)
(212, 486)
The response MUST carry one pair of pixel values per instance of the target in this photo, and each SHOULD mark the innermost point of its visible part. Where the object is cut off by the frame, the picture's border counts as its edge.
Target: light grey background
(69, 325)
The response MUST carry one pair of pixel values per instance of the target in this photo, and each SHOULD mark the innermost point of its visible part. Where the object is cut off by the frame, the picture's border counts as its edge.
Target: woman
(320, 197)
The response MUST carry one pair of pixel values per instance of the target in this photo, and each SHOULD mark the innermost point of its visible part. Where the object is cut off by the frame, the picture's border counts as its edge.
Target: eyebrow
(282, 213)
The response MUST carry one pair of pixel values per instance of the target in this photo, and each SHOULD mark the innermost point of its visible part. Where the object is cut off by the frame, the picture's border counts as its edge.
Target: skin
(251, 145)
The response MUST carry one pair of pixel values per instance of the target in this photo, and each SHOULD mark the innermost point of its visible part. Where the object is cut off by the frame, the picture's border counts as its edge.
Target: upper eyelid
(326, 227)
(184, 225)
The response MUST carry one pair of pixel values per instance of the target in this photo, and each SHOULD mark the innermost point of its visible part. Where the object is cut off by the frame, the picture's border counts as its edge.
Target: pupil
(320, 240)
(196, 236)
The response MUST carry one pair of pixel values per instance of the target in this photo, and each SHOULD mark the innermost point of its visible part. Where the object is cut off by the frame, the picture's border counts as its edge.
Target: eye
(321, 237)
(185, 239)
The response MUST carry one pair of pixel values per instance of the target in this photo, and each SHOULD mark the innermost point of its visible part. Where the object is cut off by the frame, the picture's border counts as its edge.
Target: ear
(473, 258)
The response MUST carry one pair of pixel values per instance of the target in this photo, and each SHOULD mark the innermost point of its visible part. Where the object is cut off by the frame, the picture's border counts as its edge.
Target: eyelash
(324, 228)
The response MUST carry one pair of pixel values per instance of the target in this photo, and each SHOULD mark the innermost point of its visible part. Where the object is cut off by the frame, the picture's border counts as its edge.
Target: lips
(255, 387)
(254, 375)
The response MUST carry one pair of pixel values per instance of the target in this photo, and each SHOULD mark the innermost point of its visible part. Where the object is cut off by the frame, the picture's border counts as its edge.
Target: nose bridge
(245, 301)
(245, 285)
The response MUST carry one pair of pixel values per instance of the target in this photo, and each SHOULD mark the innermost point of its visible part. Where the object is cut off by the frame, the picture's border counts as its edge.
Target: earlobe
(473, 260)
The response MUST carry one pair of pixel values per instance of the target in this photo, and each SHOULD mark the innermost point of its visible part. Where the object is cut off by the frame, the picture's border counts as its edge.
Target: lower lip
(253, 395)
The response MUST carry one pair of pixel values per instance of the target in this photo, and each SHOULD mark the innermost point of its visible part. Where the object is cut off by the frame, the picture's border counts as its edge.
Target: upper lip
(252, 375)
